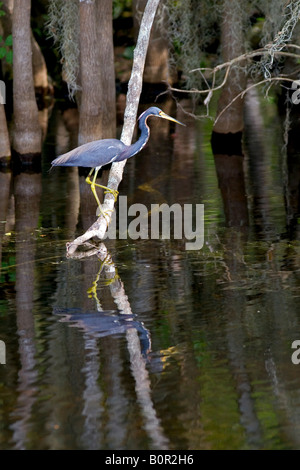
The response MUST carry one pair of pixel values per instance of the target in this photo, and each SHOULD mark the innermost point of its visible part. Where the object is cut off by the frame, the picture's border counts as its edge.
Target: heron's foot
(114, 192)
(93, 184)
(105, 214)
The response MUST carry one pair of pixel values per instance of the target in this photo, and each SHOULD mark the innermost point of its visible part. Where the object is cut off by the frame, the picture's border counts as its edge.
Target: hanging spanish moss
(194, 35)
(272, 12)
(280, 23)
(63, 27)
(191, 30)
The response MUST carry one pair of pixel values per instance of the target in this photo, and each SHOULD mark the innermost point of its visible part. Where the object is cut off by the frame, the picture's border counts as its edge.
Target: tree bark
(227, 131)
(157, 59)
(97, 98)
(98, 229)
(40, 74)
(27, 131)
(232, 40)
(108, 82)
(4, 137)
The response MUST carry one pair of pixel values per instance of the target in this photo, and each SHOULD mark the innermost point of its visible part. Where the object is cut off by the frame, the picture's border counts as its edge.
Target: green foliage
(5, 44)
(6, 48)
(39, 31)
(2, 13)
(128, 52)
(121, 7)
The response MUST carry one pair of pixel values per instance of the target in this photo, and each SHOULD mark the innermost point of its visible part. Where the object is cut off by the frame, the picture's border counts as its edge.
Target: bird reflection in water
(100, 322)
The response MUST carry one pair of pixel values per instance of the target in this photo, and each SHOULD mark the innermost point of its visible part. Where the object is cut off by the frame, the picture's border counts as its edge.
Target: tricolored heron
(102, 152)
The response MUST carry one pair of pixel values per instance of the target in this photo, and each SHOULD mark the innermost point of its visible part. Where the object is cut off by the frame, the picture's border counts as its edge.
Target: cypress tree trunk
(227, 133)
(4, 137)
(97, 99)
(108, 85)
(27, 131)
(98, 229)
(97, 109)
(232, 41)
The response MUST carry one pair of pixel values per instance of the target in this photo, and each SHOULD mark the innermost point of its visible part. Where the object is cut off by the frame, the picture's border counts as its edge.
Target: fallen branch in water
(99, 227)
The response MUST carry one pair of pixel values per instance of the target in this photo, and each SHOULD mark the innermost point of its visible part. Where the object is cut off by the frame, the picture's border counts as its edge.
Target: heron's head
(154, 111)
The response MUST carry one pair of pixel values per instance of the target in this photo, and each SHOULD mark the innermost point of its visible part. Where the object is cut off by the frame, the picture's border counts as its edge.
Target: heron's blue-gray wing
(93, 154)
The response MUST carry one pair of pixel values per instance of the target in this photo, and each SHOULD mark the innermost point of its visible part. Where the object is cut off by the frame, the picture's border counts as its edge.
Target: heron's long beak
(166, 116)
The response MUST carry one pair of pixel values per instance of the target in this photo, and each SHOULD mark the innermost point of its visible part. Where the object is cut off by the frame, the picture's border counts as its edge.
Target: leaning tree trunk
(97, 99)
(27, 131)
(157, 60)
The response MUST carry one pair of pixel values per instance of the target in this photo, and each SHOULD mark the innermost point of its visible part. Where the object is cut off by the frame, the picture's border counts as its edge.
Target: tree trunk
(27, 131)
(98, 229)
(97, 101)
(227, 132)
(108, 83)
(157, 60)
(232, 40)
(40, 75)
(4, 137)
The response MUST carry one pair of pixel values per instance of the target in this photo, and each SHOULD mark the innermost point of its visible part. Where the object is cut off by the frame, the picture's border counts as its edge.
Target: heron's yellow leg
(93, 183)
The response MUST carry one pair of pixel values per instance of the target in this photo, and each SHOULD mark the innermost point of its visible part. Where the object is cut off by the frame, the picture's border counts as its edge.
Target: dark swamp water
(160, 347)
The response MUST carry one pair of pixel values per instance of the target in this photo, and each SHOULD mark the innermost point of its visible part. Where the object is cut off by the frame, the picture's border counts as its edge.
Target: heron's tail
(63, 160)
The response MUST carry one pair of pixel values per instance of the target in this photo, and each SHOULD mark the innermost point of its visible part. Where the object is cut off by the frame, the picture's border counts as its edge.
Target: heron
(98, 153)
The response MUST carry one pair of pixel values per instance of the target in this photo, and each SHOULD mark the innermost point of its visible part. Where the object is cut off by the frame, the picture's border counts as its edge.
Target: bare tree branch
(242, 93)
(226, 67)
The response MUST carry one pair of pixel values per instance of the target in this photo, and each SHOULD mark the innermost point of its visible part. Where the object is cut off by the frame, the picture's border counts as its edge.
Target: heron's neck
(141, 142)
